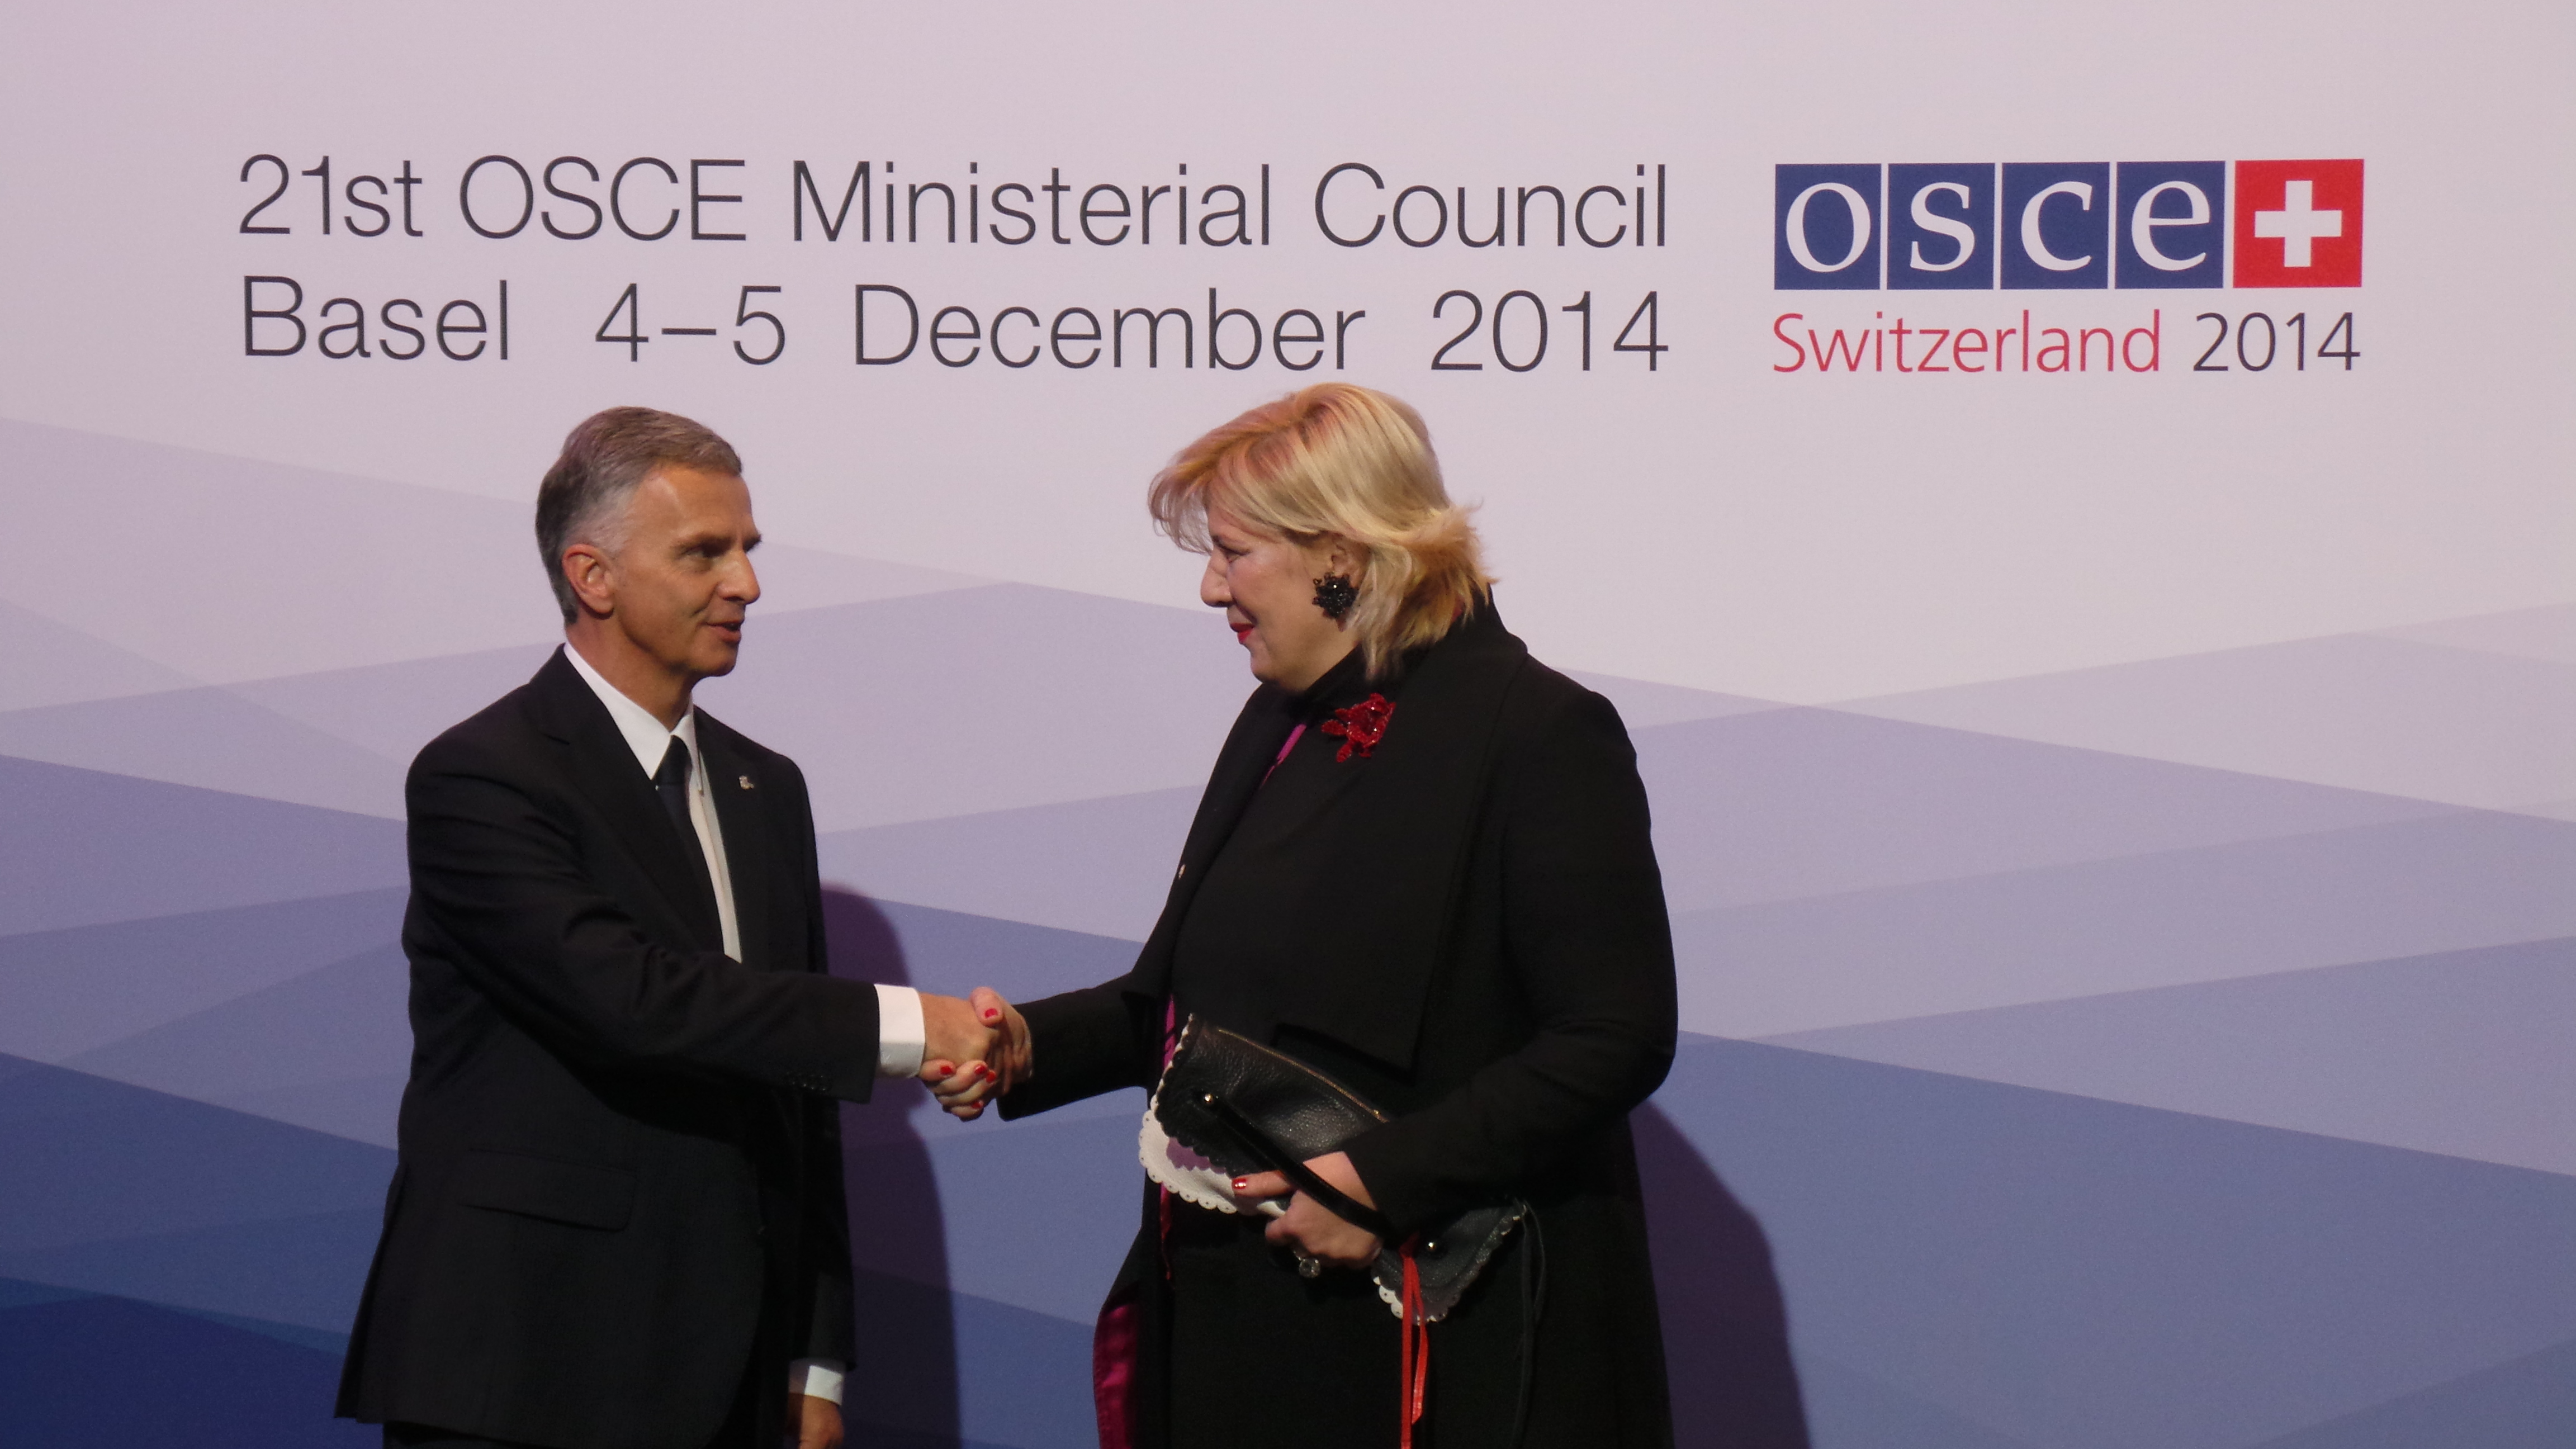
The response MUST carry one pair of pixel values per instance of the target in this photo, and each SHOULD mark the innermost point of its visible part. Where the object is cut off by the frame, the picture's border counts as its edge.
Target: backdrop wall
(2112, 758)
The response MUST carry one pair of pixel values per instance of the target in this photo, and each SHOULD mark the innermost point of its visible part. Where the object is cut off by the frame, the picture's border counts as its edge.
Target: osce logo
(2025, 225)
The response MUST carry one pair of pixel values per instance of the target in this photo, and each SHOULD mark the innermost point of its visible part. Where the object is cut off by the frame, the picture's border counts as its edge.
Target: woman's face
(1266, 585)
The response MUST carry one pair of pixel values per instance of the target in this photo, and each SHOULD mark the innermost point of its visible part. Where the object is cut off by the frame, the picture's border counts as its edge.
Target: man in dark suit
(617, 1222)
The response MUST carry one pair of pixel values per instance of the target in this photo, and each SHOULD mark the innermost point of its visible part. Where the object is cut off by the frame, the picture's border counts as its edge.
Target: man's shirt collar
(643, 733)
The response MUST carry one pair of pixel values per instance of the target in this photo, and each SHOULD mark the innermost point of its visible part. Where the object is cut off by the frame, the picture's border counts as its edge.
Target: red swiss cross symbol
(2298, 224)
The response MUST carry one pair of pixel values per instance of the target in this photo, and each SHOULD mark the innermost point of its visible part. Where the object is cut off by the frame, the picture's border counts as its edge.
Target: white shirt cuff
(901, 1037)
(818, 1378)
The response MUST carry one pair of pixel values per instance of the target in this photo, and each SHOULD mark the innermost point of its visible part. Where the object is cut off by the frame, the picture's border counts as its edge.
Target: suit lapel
(603, 770)
(742, 813)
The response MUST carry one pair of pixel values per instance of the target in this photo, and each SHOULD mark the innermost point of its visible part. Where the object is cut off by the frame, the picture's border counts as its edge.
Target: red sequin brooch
(1359, 727)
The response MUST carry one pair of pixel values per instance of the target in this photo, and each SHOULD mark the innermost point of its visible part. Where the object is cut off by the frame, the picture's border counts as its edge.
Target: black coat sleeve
(1087, 1042)
(1585, 933)
(1105, 1037)
(499, 875)
(833, 1333)
(832, 1330)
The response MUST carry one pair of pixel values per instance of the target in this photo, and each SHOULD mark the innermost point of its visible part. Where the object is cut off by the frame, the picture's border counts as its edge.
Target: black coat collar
(1411, 820)
(602, 769)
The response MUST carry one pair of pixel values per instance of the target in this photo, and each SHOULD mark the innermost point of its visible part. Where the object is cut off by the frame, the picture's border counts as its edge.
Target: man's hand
(992, 1052)
(954, 1032)
(817, 1421)
(1309, 1226)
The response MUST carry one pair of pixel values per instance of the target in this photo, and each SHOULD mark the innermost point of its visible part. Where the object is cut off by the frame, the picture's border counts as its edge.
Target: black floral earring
(1334, 595)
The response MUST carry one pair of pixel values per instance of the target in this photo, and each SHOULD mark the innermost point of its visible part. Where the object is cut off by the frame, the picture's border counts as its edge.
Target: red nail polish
(992, 1016)
(1242, 1184)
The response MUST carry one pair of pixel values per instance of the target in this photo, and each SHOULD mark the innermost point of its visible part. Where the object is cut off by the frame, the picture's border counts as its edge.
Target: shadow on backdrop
(906, 1372)
(1726, 1331)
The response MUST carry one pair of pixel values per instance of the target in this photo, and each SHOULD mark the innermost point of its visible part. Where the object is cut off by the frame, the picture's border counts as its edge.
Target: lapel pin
(745, 780)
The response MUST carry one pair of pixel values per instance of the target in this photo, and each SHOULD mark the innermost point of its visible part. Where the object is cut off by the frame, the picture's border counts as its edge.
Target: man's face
(683, 580)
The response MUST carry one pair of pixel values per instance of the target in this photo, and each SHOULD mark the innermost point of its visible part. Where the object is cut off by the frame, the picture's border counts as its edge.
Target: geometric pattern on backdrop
(2119, 1059)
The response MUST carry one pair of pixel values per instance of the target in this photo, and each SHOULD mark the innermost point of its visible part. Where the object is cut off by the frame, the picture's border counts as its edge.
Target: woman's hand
(1309, 1226)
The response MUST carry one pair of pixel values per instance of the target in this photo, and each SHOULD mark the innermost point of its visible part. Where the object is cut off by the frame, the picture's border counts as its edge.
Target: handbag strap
(1341, 1204)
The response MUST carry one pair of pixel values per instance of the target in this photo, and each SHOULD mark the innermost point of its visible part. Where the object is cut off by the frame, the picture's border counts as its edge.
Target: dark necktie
(671, 782)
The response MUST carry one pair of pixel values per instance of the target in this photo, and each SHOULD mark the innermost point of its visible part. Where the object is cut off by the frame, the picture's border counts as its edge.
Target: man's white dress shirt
(901, 1038)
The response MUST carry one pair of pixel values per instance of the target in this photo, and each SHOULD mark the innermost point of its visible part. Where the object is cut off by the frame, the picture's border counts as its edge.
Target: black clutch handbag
(1245, 1108)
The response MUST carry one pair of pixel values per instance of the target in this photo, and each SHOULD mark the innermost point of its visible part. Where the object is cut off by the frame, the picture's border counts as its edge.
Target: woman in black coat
(1422, 865)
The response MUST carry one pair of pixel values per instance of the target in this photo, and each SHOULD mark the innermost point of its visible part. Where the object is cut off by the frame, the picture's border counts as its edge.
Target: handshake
(973, 1049)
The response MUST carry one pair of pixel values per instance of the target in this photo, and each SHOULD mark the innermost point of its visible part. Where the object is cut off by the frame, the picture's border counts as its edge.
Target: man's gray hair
(583, 499)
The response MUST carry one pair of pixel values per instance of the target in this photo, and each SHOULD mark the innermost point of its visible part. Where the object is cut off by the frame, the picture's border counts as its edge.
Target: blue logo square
(1941, 226)
(1826, 233)
(2172, 224)
(2056, 225)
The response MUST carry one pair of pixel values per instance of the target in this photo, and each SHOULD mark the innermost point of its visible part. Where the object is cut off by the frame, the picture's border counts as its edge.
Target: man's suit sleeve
(501, 878)
(833, 1334)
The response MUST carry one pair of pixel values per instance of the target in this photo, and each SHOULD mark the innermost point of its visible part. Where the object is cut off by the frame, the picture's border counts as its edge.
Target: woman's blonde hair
(1339, 461)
